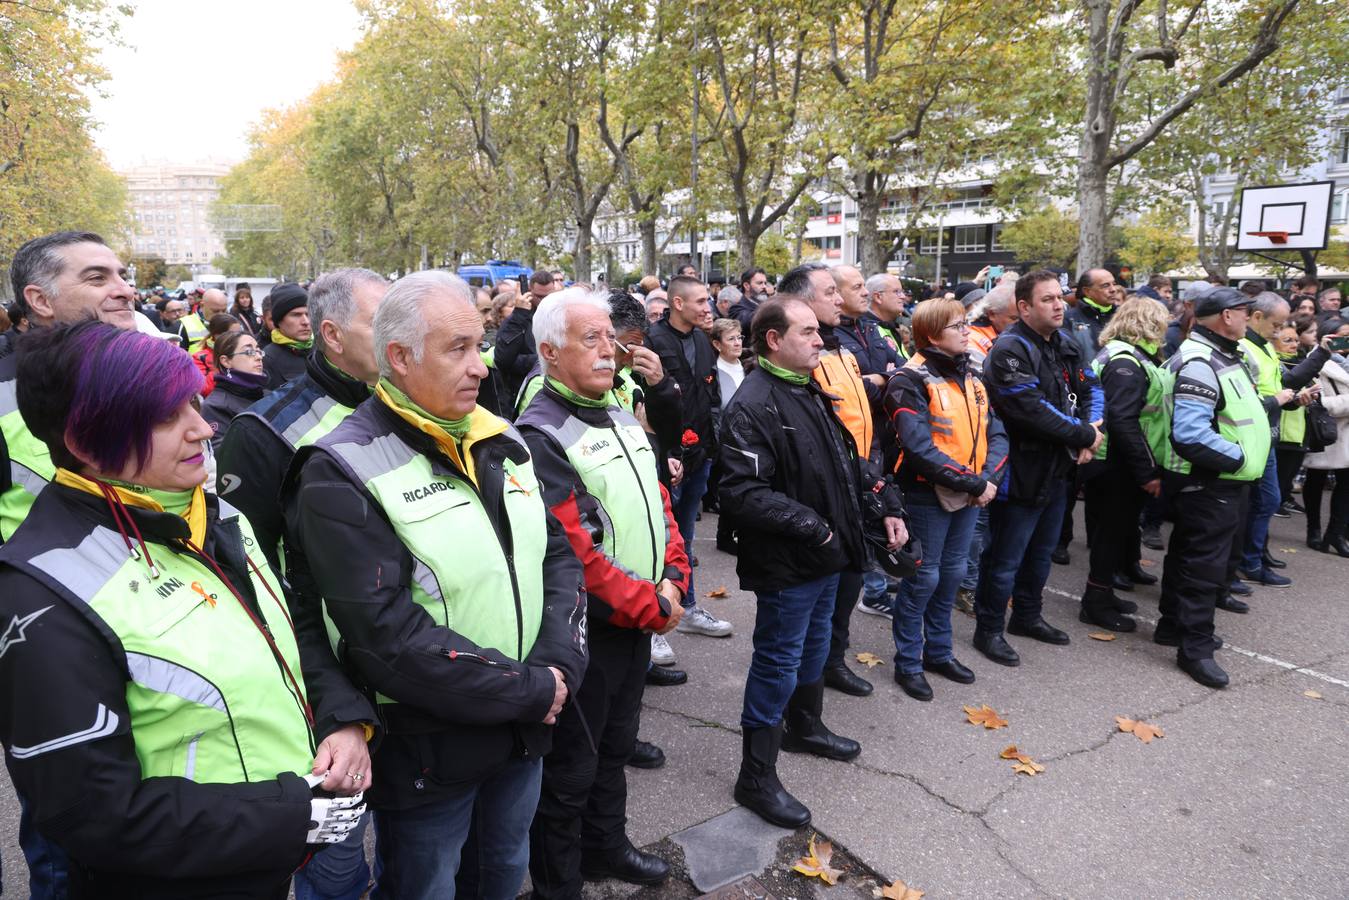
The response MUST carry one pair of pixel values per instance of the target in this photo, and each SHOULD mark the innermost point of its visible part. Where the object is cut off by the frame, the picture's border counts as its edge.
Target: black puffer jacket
(789, 477)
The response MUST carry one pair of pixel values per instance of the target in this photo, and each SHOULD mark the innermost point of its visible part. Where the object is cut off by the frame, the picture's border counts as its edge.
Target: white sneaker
(699, 621)
(661, 653)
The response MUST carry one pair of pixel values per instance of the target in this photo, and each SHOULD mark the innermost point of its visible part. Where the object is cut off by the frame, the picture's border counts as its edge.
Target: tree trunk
(647, 229)
(580, 262)
(869, 250)
(1092, 211)
(745, 242)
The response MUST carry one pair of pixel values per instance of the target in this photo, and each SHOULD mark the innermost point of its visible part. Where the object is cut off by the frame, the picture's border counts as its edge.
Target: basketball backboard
(1285, 216)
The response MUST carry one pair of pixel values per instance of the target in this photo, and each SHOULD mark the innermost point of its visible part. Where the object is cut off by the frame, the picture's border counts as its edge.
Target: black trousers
(584, 797)
(1312, 489)
(849, 589)
(1114, 503)
(1201, 560)
(1288, 459)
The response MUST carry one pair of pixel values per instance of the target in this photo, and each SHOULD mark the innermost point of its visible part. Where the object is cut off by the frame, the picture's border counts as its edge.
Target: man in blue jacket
(1051, 406)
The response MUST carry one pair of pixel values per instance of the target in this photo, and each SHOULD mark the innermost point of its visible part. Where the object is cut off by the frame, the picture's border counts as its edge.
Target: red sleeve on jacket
(677, 567)
(634, 601)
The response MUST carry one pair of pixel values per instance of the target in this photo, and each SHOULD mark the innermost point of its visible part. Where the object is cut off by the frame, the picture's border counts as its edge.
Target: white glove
(331, 819)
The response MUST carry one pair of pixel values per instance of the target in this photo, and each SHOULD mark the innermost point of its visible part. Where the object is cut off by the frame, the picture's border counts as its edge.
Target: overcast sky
(195, 74)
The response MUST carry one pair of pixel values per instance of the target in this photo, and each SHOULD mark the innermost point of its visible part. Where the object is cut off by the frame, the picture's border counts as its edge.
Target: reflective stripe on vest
(1242, 419)
(618, 468)
(1265, 369)
(197, 332)
(840, 377)
(1154, 418)
(957, 431)
(30, 463)
(208, 700)
(463, 575)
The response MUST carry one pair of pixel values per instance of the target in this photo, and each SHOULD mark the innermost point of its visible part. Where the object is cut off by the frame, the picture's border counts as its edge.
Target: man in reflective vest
(1221, 436)
(1278, 391)
(449, 591)
(598, 470)
(258, 449)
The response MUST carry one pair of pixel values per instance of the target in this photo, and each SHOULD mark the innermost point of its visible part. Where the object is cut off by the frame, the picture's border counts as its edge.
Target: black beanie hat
(286, 298)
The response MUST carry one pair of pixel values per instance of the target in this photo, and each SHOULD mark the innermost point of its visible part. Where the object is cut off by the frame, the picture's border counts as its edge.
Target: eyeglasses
(959, 326)
(251, 351)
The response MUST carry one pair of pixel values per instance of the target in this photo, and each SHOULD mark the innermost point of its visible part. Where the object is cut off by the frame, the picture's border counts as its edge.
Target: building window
(1339, 214)
(969, 239)
(928, 243)
(997, 245)
(1342, 147)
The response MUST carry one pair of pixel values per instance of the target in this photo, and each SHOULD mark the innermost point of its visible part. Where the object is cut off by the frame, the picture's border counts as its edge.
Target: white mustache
(603, 365)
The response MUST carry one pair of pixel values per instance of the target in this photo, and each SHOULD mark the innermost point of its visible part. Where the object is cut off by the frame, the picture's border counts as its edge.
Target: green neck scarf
(282, 340)
(338, 372)
(578, 399)
(456, 428)
(1148, 347)
(1096, 306)
(176, 502)
(785, 374)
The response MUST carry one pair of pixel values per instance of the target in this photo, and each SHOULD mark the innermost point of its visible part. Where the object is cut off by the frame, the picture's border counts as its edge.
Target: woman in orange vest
(952, 455)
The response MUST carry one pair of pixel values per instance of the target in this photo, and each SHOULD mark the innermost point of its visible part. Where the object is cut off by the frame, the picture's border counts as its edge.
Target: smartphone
(994, 273)
(1339, 344)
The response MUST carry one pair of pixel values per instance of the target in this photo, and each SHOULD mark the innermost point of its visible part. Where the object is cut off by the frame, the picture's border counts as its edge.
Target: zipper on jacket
(456, 655)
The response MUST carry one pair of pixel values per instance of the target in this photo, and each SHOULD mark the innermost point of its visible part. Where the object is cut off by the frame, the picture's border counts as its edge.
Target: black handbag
(1321, 428)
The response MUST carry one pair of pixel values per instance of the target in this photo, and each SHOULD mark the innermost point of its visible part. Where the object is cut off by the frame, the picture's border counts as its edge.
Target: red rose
(690, 438)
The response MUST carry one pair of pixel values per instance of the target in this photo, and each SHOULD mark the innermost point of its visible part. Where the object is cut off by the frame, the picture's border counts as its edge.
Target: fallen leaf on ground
(1312, 694)
(1100, 635)
(1141, 730)
(1028, 768)
(985, 716)
(816, 863)
(1287, 549)
(870, 660)
(898, 890)
(1023, 761)
(718, 593)
(1010, 752)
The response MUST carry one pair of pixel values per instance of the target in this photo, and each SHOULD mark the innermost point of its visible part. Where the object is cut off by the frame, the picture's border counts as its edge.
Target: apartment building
(170, 206)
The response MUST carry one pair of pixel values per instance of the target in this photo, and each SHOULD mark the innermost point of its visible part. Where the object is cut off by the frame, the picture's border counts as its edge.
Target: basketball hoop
(1275, 237)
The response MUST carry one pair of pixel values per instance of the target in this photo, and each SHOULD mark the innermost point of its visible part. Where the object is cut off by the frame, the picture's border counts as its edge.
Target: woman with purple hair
(158, 713)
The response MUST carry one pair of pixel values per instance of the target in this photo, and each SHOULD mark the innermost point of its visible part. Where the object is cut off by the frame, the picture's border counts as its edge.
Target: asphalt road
(1246, 795)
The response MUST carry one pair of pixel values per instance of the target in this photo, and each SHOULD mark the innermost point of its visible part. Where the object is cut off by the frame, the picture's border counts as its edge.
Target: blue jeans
(874, 586)
(977, 545)
(791, 642)
(685, 501)
(1015, 561)
(1265, 501)
(418, 850)
(339, 872)
(48, 865)
(922, 623)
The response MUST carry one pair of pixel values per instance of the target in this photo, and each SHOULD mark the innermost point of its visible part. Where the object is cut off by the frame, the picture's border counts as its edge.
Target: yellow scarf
(283, 341)
(482, 425)
(196, 510)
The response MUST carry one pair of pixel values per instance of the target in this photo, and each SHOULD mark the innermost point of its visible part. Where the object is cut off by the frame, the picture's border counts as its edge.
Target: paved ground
(1245, 796)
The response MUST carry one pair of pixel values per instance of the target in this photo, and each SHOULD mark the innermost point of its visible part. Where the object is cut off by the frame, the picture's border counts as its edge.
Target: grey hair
(879, 282)
(42, 260)
(729, 293)
(1266, 302)
(401, 317)
(550, 319)
(331, 297)
(998, 299)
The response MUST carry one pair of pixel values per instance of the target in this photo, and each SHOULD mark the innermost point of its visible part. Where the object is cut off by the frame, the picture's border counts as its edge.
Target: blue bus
(495, 271)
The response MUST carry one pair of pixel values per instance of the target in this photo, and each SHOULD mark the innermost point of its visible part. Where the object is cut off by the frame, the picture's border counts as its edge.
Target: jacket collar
(1254, 337)
(1213, 339)
(499, 445)
(1055, 340)
(591, 415)
(946, 366)
(830, 337)
(338, 385)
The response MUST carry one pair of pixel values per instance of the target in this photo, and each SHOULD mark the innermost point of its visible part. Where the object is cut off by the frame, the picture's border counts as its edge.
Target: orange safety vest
(983, 336)
(958, 416)
(839, 376)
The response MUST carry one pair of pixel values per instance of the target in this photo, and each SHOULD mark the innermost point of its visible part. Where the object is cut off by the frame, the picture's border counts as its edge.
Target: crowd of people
(405, 555)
